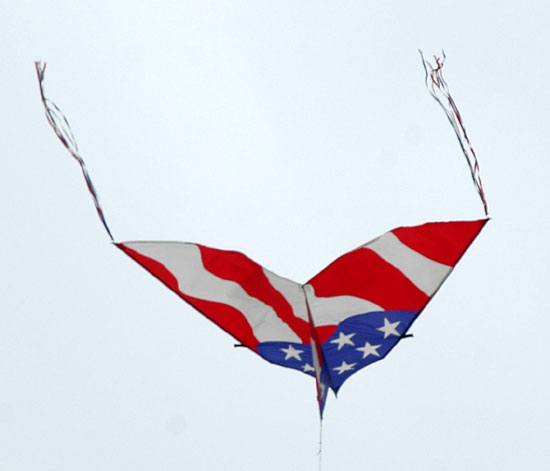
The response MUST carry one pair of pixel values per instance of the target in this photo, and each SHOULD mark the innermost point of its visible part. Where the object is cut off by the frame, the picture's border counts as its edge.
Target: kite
(348, 316)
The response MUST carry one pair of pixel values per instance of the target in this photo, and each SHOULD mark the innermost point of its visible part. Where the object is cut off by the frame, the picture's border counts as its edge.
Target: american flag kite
(351, 314)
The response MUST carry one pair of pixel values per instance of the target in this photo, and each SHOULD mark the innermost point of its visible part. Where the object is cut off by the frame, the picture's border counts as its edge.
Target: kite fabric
(348, 316)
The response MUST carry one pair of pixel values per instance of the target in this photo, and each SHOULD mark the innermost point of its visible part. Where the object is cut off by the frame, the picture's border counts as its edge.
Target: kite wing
(364, 302)
(263, 311)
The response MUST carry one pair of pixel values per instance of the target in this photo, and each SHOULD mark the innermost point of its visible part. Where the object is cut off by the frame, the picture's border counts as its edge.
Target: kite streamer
(438, 88)
(60, 124)
(348, 316)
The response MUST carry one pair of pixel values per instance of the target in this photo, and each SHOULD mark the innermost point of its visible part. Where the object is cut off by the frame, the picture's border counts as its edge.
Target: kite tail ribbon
(62, 129)
(438, 88)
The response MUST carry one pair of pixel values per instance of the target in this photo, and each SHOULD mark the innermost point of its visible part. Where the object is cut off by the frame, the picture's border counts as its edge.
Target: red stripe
(156, 269)
(235, 266)
(364, 274)
(227, 317)
(325, 332)
(444, 242)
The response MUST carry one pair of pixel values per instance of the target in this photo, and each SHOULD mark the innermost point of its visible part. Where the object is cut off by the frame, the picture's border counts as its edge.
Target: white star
(344, 367)
(307, 367)
(369, 349)
(291, 352)
(389, 328)
(343, 339)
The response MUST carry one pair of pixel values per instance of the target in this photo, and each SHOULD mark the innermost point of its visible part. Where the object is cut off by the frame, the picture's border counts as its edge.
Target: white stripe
(426, 274)
(184, 261)
(333, 310)
(291, 291)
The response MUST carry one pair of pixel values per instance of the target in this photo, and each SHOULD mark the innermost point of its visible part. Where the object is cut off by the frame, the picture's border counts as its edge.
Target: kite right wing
(364, 302)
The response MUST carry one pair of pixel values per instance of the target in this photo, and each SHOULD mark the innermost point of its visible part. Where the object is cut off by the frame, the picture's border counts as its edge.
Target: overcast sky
(293, 132)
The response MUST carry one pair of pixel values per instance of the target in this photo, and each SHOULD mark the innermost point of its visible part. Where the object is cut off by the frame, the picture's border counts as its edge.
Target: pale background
(293, 132)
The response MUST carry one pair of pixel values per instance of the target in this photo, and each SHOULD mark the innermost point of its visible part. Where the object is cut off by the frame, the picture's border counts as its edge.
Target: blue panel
(362, 340)
(291, 355)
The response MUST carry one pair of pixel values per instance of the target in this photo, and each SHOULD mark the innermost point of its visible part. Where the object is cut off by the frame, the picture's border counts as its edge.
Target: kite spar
(348, 316)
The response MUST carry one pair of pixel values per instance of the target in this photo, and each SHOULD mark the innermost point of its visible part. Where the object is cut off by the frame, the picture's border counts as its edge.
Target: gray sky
(293, 132)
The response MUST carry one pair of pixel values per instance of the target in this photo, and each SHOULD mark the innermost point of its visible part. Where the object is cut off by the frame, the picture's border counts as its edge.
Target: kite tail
(62, 129)
(438, 88)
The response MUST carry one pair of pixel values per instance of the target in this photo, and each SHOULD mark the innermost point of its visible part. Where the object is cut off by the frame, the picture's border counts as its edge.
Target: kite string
(438, 88)
(60, 124)
(320, 452)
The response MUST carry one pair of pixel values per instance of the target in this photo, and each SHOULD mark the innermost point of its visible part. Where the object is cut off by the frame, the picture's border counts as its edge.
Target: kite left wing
(263, 311)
